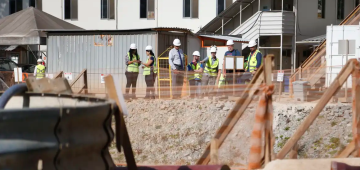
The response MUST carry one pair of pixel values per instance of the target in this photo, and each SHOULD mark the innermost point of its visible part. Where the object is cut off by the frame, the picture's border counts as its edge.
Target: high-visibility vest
(40, 71)
(212, 68)
(196, 76)
(221, 80)
(252, 62)
(147, 70)
(133, 67)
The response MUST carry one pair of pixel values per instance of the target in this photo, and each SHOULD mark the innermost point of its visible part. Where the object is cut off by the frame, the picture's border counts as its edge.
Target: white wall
(169, 14)
(88, 14)
(310, 25)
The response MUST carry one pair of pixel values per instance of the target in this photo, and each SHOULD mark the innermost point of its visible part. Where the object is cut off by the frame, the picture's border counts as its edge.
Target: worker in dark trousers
(177, 64)
(132, 60)
(150, 70)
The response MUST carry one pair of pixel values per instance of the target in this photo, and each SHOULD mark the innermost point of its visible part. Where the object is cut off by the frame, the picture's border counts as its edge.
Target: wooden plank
(268, 133)
(356, 107)
(325, 98)
(347, 151)
(60, 74)
(315, 77)
(294, 152)
(234, 114)
(78, 77)
(214, 153)
(46, 85)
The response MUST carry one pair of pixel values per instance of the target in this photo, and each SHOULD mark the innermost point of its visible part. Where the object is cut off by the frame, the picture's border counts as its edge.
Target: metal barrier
(60, 138)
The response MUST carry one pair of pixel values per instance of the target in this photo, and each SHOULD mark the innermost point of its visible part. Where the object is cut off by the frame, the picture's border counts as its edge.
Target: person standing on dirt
(176, 62)
(132, 61)
(195, 69)
(150, 70)
(39, 71)
(211, 72)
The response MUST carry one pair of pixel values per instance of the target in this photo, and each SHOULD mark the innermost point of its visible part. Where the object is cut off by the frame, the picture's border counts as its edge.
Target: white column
(281, 48)
(240, 12)
(222, 26)
(259, 6)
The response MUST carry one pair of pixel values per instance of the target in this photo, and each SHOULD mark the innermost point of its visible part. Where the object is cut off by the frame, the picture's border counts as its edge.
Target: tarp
(22, 28)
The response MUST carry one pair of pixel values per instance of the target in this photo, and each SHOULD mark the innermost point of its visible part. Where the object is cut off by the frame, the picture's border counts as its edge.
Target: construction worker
(39, 71)
(195, 68)
(132, 60)
(231, 52)
(150, 70)
(254, 61)
(176, 62)
(211, 71)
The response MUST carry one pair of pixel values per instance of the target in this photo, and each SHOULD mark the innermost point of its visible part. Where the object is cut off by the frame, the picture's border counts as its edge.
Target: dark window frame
(193, 13)
(323, 7)
(36, 4)
(109, 14)
(17, 6)
(340, 11)
(145, 9)
(69, 11)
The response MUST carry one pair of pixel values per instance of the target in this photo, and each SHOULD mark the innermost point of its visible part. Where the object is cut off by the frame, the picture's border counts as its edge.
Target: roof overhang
(224, 38)
(19, 40)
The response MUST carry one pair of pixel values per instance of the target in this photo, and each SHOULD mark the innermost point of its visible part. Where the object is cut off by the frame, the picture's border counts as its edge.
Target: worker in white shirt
(39, 71)
(176, 62)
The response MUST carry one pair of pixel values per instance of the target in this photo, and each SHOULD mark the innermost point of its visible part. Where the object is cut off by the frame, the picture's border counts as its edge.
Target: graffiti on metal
(101, 40)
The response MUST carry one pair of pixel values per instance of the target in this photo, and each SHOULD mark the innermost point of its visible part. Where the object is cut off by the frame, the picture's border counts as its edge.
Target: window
(107, 9)
(15, 6)
(36, 4)
(340, 9)
(71, 9)
(191, 9)
(321, 9)
(221, 5)
(147, 9)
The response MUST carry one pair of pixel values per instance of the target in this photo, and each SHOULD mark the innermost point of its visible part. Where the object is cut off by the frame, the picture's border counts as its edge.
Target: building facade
(279, 26)
(125, 14)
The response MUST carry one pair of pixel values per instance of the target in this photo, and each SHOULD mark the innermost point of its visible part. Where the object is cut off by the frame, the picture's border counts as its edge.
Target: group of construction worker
(201, 74)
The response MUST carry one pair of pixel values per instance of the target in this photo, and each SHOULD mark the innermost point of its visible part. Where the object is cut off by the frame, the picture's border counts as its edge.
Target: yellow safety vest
(40, 71)
(197, 76)
(133, 67)
(221, 80)
(148, 69)
(212, 68)
(252, 62)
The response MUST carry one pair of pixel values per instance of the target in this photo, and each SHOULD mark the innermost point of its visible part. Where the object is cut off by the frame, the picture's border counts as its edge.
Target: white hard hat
(230, 42)
(177, 42)
(196, 53)
(39, 60)
(148, 47)
(213, 49)
(252, 43)
(133, 46)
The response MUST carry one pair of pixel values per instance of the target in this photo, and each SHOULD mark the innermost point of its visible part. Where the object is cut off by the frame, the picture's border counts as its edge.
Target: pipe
(12, 91)
(116, 14)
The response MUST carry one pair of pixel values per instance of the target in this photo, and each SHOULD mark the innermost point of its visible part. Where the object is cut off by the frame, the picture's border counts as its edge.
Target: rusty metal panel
(62, 138)
(73, 53)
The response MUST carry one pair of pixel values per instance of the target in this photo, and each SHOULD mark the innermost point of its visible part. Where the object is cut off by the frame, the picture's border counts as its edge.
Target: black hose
(12, 91)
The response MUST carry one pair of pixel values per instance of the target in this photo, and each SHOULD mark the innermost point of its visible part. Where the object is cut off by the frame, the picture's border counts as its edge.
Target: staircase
(266, 23)
(313, 69)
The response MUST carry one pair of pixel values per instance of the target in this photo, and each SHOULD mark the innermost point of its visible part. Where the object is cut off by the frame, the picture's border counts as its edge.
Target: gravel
(178, 131)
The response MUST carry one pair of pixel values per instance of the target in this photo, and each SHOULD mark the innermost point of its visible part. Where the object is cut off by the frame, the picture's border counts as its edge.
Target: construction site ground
(177, 131)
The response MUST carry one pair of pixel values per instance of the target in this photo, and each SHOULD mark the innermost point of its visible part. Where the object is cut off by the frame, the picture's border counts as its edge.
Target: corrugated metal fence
(73, 53)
